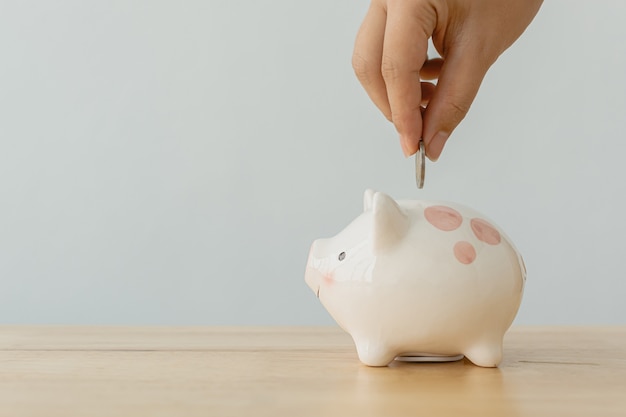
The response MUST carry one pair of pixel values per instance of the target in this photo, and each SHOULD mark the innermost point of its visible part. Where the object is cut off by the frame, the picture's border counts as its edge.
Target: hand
(391, 63)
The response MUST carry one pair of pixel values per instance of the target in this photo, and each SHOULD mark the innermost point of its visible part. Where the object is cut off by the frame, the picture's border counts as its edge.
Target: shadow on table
(457, 388)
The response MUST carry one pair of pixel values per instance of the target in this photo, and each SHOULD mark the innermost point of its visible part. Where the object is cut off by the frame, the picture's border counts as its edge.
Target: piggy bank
(419, 279)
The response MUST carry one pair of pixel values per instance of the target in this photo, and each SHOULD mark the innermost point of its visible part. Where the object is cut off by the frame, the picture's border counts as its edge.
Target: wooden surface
(156, 371)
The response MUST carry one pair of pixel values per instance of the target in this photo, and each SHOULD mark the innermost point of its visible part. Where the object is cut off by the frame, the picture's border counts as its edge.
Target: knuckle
(457, 109)
(402, 121)
(363, 69)
(389, 68)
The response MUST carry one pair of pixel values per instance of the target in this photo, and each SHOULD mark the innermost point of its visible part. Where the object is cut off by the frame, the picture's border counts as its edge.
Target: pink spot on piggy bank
(404, 276)
(443, 217)
(464, 252)
(485, 231)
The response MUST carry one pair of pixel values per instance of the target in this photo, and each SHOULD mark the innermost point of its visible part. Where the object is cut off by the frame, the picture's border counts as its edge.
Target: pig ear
(367, 199)
(390, 222)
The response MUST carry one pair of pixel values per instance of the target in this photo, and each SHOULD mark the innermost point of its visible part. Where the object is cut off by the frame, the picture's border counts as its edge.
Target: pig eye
(342, 256)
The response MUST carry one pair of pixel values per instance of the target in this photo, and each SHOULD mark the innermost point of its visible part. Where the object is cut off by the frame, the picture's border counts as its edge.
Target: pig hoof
(374, 355)
(487, 355)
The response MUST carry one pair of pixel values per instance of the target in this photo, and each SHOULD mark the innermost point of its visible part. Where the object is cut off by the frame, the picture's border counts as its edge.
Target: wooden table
(303, 371)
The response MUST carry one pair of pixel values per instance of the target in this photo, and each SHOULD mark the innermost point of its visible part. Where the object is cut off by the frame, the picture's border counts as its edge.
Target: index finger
(408, 28)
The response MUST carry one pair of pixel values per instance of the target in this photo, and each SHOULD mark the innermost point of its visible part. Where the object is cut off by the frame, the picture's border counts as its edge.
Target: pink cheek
(328, 279)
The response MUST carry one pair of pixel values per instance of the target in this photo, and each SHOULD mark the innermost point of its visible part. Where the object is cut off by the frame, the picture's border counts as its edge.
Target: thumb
(461, 75)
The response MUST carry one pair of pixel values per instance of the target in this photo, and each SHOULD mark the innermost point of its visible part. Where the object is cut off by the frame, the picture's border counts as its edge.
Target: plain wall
(166, 162)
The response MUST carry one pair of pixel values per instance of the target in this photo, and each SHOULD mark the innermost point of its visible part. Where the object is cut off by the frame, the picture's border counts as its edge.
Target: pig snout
(313, 278)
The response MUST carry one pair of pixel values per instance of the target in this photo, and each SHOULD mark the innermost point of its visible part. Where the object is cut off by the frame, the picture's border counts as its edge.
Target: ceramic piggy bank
(419, 279)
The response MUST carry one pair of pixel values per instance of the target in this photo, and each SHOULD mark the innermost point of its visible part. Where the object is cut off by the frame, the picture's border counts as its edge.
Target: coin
(420, 165)
(437, 358)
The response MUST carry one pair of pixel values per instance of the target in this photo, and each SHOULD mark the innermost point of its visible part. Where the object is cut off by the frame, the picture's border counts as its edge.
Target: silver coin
(420, 165)
(429, 358)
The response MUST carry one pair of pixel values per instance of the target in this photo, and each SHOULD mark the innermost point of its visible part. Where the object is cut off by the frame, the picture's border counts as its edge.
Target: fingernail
(436, 145)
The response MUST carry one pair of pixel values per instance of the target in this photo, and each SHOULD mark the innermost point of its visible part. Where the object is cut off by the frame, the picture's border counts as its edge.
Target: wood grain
(303, 371)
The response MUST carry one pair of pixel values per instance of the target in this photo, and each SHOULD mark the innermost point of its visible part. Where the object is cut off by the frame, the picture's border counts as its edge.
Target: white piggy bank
(420, 279)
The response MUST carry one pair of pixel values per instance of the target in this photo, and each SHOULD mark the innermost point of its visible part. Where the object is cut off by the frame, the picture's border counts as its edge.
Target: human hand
(390, 60)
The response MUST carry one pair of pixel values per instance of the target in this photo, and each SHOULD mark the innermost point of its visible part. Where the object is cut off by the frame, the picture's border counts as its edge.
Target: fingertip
(435, 146)
(431, 69)
(405, 150)
(408, 147)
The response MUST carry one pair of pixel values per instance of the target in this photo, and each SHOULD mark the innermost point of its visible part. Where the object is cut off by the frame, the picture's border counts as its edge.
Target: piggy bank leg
(486, 353)
(374, 354)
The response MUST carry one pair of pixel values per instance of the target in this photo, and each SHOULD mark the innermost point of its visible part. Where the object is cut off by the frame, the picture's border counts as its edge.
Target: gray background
(166, 162)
